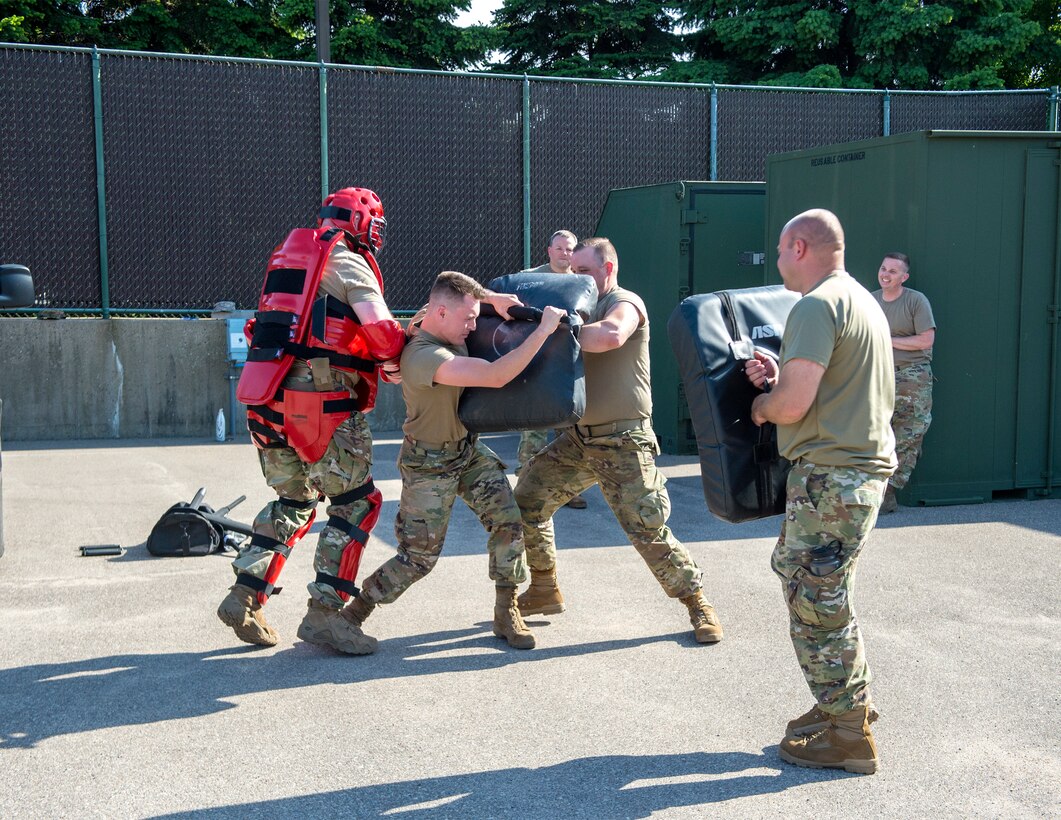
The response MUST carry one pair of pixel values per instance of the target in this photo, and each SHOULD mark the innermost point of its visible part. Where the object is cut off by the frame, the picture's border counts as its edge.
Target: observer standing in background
(831, 402)
(913, 330)
(320, 336)
(440, 460)
(613, 446)
(561, 246)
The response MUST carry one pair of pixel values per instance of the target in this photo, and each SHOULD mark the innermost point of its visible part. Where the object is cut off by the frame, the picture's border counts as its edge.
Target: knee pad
(358, 532)
(281, 550)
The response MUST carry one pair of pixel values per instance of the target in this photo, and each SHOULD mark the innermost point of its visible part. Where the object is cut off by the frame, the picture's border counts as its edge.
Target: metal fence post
(1052, 123)
(101, 186)
(323, 83)
(887, 111)
(714, 133)
(526, 173)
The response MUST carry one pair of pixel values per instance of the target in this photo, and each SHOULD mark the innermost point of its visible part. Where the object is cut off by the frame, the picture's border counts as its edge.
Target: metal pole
(323, 82)
(324, 33)
(1052, 123)
(887, 114)
(714, 133)
(526, 174)
(101, 186)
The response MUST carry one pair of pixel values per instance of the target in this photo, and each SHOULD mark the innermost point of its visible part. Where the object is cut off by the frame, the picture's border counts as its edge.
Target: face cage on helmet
(375, 233)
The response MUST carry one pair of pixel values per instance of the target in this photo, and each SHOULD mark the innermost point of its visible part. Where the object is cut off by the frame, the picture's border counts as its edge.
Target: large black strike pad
(551, 391)
(712, 335)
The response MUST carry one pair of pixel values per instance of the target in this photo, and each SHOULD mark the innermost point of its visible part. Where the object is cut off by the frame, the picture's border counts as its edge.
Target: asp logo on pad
(767, 331)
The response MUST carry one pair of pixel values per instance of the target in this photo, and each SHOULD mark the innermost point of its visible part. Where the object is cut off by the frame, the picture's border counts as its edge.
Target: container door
(727, 235)
(1039, 365)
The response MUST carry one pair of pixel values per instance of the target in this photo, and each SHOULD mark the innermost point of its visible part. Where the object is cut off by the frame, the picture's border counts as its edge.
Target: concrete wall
(126, 378)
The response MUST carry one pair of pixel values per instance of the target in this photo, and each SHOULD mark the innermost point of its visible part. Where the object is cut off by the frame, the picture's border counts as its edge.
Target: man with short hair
(613, 446)
(913, 330)
(561, 246)
(831, 398)
(440, 459)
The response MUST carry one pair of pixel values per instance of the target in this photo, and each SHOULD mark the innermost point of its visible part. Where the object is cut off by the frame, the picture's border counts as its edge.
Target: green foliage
(585, 38)
(900, 44)
(941, 44)
(399, 33)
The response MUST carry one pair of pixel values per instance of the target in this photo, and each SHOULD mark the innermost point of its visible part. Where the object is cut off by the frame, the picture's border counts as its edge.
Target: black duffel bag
(196, 529)
(551, 390)
(712, 335)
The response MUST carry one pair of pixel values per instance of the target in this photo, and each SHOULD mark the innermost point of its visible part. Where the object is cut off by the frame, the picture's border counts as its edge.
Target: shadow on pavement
(47, 700)
(614, 786)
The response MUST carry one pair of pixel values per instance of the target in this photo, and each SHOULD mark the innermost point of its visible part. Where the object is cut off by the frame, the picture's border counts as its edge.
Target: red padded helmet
(357, 211)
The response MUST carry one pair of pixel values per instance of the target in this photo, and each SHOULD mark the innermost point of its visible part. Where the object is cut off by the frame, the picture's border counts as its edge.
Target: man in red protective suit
(320, 337)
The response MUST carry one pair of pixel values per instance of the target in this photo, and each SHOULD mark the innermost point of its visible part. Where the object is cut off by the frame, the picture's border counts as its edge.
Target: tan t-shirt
(347, 277)
(618, 385)
(908, 315)
(430, 408)
(840, 326)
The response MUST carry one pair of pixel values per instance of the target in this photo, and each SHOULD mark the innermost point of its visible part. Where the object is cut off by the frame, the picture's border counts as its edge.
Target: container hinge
(683, 247)
(694, 217)
(683, 292)
(1053, 314)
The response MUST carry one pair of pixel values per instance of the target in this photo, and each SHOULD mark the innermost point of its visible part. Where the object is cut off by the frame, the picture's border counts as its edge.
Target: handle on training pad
(523, 313)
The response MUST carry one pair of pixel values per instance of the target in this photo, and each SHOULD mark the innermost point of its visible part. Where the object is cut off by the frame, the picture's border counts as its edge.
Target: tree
(585, 38)
(398, 33)
(948, 44)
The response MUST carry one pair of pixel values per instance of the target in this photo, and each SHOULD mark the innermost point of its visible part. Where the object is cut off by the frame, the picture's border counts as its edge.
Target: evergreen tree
(585, 38)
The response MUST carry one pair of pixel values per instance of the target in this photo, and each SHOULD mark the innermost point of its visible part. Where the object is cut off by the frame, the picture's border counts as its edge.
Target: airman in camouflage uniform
(612, 446)
(561, 245)
(831, 401)
(349, 279)
(913, 330)
(440, 460)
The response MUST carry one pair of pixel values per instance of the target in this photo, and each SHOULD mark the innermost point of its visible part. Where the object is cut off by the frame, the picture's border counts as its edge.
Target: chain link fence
(155, 183)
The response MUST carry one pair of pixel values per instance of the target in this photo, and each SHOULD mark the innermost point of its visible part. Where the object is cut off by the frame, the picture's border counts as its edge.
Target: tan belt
(444, 446)
(611, 427)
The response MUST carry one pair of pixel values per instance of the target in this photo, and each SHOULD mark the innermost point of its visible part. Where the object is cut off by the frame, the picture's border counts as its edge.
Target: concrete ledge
(127, 378)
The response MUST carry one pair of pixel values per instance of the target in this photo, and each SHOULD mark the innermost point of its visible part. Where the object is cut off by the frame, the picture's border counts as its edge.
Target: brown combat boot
(507, 621)
(325, 626)
(702, 616)
(357, 611)
(542, 596)
(241, 611)
(815, 720)
(846, 743)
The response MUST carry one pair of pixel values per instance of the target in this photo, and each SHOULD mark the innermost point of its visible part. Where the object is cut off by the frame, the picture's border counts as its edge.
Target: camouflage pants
(830, 510)
(913, 414)
(530, 442)
(624, 465)
(345, 465)
(431, 482)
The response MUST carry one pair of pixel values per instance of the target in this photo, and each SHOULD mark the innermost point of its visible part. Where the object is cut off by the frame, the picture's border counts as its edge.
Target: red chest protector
(294, 321)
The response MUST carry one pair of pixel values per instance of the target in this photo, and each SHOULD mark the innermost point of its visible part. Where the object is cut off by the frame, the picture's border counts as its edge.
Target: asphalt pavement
(122, 695)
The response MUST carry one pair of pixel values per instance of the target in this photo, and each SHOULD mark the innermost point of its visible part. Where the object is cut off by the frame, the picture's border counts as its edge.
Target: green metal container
(979, 215)
(677, 239)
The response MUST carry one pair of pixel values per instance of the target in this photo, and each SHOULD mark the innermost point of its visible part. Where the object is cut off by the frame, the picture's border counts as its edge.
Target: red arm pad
(248, 330)
(385, 339)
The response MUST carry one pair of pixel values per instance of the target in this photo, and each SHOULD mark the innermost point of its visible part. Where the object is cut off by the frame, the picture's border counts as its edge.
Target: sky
(481, 12)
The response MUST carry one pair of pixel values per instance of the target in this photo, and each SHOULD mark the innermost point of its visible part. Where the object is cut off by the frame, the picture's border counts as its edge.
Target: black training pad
(551, 391)
(710, 345)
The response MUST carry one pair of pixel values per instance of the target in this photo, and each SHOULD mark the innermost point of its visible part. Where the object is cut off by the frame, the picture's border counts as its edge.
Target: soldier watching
(913, 330)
